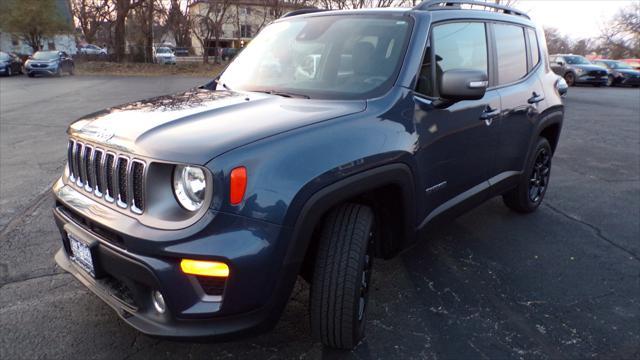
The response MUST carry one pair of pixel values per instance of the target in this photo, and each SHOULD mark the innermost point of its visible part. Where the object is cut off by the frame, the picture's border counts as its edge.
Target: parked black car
(193, 214)
(10, 64)
(577, 69)
(620, 73)
(49, 63)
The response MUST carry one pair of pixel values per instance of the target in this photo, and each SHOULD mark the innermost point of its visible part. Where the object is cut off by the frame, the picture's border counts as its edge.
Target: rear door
(519, 84)
(456, 146)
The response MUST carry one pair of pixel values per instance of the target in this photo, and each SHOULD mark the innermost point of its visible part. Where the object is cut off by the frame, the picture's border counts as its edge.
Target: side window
(512, 53)
(460, 45)
(533, 48)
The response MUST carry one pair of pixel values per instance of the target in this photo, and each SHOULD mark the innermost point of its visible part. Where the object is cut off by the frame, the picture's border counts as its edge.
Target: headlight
(579, 71)
(189, 185)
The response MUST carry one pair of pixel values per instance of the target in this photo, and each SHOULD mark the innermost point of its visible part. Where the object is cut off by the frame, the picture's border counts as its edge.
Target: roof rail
(456, 4)
(302, 11)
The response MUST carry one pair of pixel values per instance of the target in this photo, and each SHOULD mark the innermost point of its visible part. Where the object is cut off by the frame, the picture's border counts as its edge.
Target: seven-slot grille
(115, 177)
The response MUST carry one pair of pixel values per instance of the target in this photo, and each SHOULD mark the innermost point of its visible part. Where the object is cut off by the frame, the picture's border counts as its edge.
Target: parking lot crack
(596, 230)
(16, 281)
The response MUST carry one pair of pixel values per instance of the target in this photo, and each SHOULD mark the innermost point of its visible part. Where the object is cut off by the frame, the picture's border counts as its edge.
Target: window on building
(512, 53)
(245, 31)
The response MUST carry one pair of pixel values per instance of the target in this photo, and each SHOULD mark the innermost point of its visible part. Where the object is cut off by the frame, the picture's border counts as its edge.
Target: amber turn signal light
(204, 268)
(238, 185)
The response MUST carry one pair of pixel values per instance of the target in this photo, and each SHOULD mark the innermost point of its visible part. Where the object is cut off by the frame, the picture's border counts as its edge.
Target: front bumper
(632, 81)
(588, 79)
(129, 267)
(41, 71)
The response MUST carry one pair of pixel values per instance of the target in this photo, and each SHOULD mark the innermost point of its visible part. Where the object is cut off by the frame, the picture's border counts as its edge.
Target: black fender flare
(321, 201)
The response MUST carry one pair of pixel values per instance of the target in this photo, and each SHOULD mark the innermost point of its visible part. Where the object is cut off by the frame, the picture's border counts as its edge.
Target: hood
(629, 72)
(197, 125)
(589, 67)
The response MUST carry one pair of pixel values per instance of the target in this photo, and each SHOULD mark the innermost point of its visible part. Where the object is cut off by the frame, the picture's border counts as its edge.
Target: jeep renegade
(334, 138)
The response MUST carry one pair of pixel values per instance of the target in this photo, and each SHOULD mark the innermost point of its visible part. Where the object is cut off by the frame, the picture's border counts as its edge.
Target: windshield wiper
(218, 82)
(284, 94)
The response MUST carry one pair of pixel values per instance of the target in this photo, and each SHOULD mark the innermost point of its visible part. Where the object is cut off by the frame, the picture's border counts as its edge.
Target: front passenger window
(460, 45)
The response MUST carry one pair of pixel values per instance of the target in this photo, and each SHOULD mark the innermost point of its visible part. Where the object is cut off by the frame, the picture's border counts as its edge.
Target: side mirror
(463, 84)
(560, 62)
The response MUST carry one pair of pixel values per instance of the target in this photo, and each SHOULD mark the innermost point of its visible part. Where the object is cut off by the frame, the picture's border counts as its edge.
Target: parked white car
(91, 49)
(164, 55)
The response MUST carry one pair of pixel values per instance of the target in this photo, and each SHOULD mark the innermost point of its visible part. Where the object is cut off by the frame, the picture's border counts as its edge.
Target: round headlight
(189, 185)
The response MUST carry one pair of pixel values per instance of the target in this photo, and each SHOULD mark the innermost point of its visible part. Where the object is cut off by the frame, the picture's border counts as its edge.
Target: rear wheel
(342, 276)
(570, 78)
(529, 193)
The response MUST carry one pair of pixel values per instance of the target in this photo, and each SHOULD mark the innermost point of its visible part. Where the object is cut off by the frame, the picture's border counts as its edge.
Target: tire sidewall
(524, 193)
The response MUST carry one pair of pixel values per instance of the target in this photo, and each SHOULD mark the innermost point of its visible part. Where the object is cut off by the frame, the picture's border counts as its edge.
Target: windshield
(163, 51)
(45, 55)
(4, 57)
(326, 57)
(576, 60)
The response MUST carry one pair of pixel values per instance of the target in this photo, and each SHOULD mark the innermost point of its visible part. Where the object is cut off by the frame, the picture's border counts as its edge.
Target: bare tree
(620, 37)
(207, 23)
(556, 42)
(122, 9)
(177, 20)
(91, 16)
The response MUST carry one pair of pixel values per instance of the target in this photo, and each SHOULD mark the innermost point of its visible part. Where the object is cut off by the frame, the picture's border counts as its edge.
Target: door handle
(489, 113)
(535, 98)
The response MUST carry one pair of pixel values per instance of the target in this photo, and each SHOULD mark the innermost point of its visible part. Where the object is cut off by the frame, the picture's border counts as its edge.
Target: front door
(457, 141)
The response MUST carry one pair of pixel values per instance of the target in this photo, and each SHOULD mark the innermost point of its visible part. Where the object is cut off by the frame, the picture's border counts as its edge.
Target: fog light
(158, 301)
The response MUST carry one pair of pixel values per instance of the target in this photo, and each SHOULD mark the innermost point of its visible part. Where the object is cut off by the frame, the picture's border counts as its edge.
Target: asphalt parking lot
(563, 282)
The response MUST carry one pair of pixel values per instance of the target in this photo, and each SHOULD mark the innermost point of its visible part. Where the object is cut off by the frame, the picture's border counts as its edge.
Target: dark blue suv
(334, 138)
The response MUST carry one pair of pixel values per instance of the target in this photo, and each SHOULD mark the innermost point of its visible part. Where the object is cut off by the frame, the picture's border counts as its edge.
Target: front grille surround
(108, 175)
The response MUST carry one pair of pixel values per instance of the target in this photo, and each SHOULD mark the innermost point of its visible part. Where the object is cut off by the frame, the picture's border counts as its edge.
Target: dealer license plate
(81, 254)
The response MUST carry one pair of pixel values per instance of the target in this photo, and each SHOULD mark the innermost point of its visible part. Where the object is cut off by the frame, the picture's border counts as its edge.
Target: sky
(575, 18)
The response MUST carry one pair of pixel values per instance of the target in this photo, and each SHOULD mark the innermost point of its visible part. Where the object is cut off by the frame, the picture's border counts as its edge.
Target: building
(242, 20)
(65, 42)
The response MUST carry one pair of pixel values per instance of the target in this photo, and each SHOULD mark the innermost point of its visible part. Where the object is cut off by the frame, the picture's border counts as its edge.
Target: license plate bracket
(83, 254)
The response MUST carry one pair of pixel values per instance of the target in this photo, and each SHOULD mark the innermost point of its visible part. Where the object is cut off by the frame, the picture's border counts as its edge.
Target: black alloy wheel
(539, 178)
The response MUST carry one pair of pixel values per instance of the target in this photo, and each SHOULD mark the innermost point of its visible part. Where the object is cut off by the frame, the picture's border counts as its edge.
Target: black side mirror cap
(463, 84)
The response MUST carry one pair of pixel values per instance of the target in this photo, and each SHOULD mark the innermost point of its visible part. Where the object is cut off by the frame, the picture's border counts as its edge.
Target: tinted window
(512, 54)
(533, 47)
(456, 46)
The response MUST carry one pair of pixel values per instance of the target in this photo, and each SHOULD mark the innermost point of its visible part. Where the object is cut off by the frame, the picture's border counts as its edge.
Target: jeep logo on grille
(98, 133)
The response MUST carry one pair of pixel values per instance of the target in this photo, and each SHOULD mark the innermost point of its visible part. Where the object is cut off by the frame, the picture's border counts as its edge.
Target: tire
(529, 193)
(30, 75)
(570, 78)
(610, 80)
(341, 277)
(71, 70)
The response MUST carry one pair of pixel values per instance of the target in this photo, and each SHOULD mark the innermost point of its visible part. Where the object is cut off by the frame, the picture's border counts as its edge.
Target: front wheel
(342, 276)
(529, 193)
(570, 78)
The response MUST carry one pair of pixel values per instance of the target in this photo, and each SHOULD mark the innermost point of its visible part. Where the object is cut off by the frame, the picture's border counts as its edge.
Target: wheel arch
(550, 125)
(387, 187)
